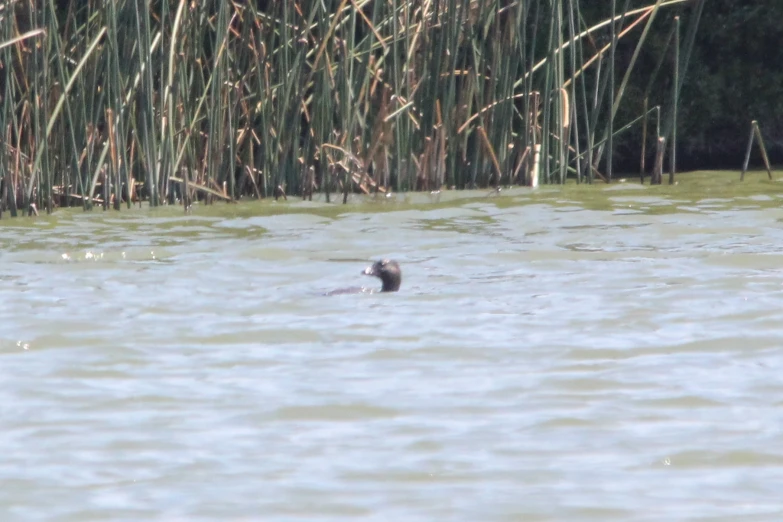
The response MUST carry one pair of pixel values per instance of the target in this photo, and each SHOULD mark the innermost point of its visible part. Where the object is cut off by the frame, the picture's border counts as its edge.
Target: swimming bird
(388, 272)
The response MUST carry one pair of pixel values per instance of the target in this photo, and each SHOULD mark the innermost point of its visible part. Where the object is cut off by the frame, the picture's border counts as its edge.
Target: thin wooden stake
(660, 151)
(747, 152)
(755, 132)
(763, 149)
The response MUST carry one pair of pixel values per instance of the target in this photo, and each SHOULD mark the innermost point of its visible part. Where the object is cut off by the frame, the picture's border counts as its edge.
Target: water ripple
(542, 362)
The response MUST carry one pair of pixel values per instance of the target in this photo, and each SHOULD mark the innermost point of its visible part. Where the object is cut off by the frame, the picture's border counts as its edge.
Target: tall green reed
(121, 100)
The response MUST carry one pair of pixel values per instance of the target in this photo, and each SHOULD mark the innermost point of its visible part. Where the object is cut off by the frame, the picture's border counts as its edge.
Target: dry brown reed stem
(219, 193)
(492, 155)
(441, 140)
(520, 162)
(643, 12)
(566, 115)
(115, 161)
(597, 56)
(21, 37)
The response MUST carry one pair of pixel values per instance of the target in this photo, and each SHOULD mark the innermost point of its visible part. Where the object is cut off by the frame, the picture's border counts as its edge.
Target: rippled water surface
(546, 359)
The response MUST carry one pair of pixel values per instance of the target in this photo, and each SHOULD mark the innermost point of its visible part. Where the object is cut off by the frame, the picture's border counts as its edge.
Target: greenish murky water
(566, 354)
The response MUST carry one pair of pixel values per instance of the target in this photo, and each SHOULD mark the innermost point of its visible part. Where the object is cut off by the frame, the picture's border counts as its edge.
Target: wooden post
(660, 151)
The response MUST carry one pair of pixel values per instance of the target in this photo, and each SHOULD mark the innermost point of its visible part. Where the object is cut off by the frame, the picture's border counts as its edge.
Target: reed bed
(110, 102)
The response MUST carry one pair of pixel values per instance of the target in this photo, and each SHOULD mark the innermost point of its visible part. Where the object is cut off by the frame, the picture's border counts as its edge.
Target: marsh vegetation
(110, 102)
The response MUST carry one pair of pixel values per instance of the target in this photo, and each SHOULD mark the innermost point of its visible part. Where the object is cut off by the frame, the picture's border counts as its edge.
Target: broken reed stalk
(536, 165)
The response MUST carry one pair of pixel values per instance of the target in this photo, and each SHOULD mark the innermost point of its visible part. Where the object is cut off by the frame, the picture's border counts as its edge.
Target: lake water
(548, 358)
